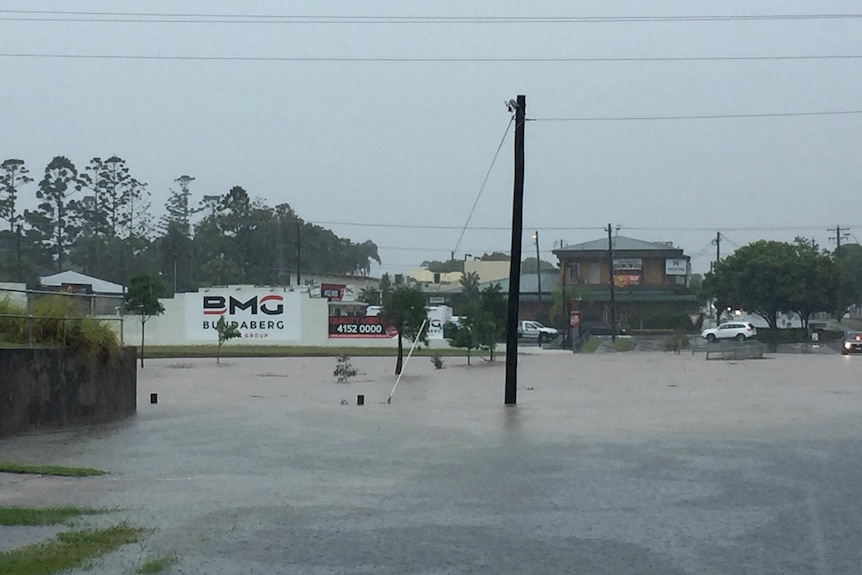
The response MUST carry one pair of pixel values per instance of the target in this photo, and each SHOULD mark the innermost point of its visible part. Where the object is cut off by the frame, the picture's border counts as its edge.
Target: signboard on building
(623, 280)
(628, 264)
(344, 326)
(676, 267)
(332, 292)
(258, 314)
(435, 328)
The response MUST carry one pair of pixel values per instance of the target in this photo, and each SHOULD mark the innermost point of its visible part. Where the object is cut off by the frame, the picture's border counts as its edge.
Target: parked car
(529, 329)
(852, 342)
(738, 330)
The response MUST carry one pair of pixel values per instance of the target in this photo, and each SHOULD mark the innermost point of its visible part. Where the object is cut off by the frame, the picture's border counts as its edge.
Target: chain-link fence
(25, 313)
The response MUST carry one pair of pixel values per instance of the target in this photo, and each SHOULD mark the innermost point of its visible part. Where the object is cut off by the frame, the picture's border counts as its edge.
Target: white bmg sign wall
(260, 314)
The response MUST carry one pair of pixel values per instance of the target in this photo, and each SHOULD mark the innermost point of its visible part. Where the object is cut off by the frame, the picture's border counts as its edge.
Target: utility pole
(538, 271)
(611, 284)
(519, 108)
(717, 247)
(837, 230)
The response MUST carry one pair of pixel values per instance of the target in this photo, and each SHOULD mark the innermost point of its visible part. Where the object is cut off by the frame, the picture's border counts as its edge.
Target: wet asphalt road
(646, 463)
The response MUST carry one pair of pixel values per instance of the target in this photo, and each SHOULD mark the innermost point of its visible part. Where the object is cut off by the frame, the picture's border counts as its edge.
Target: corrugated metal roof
(621, 243)
(70, 277)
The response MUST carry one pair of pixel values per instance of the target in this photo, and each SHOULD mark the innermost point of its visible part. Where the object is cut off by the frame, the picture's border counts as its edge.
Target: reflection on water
(511, 418)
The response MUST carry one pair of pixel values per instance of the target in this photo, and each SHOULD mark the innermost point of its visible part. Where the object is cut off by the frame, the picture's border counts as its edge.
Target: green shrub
(58, 322)
(677, 341)
(12, 329)
(344, 370)
(795, 335)
(437, 360)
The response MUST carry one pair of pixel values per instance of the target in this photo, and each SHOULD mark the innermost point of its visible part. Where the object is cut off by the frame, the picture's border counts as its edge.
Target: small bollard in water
(360, 399)
(154, 398)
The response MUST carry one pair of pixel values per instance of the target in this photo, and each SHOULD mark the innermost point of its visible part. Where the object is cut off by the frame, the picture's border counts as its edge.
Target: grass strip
(590, 345)
(68, 551)
(190, 351)
(61, 471)
(158, 564)
(626, 344)
(43, 515)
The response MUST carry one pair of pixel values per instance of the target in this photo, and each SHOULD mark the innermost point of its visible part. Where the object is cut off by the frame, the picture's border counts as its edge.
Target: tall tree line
(99, 221)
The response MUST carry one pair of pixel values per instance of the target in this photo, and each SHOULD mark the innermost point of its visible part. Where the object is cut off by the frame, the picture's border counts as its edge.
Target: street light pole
(538, 271)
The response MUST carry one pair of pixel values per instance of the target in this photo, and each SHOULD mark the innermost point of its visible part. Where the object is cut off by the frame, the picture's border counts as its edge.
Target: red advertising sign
(624, 280)
(574, 319)
(332, 292)
(359, 327)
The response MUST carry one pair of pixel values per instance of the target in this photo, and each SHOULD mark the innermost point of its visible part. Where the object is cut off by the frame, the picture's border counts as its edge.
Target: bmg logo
(219, 305)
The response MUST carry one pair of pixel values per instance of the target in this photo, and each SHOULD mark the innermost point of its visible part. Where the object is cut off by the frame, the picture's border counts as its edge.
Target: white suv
(738, 330)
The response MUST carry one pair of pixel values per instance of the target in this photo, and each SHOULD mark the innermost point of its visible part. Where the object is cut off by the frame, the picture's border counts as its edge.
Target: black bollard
(360, 399)
(154, 398)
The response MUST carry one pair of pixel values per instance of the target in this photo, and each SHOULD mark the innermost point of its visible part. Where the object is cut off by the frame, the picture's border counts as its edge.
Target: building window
(595, 273)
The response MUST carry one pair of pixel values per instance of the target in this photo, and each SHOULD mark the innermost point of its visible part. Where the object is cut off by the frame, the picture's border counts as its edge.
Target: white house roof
(70, 277)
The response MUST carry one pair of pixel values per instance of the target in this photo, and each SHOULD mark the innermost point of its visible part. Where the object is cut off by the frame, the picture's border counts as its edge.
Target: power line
(484, 182)
(727, 228)
(204, 18)
(696, 117)
(432, 60)
(577, 228)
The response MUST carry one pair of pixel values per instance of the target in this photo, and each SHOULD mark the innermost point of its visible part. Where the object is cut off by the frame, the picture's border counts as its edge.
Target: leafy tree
(55, 224)
(15, 259)
(469, 283)
(495, 257)
(817, 280)
(226, 331)
(13, 175)
(768, 277)
(848, 259)
(370, 295)
(528, 266)
(460, 335)
(448, 266)
(174, 248)
(482, 323)
(178, 208)
(489, 323)
(404, 309)
(115, 193)
(385, 286)
(220, 271)
(142, 300)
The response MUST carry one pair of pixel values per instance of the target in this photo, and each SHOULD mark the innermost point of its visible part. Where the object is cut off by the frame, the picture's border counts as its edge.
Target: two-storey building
(650, 281)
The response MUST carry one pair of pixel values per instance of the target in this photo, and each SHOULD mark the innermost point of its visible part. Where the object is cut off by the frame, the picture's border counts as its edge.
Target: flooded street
(644, 463)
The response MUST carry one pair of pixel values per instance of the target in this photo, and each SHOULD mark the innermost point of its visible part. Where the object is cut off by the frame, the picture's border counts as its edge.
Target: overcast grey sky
(409, 143)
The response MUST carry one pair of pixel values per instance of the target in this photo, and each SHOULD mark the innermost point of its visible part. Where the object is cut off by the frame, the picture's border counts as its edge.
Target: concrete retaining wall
(52, 388)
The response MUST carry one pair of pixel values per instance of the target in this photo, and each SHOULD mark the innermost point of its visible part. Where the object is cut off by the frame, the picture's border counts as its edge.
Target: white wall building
(268, 316)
